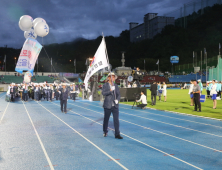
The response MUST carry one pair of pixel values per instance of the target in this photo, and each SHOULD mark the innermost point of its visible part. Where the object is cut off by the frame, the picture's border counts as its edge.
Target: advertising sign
(174, 59)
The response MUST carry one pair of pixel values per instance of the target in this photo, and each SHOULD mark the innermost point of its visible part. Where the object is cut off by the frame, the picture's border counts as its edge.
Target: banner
(174, 59)
(28, 56)
(99, 61)
(69, 75)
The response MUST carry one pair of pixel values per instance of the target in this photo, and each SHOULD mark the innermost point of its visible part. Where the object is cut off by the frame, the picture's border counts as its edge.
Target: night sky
(71, 19)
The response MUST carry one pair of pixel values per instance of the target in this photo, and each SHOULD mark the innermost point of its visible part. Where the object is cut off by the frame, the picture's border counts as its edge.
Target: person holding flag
(111, 104)
(110, 90)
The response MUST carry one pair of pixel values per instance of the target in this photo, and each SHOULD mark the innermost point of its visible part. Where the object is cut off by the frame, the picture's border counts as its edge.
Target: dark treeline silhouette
(201, 31)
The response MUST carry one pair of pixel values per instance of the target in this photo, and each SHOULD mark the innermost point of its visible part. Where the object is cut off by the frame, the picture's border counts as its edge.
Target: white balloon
(25, 22)
(38, 20)
(30, 34)
(41, 29)
(20, 26)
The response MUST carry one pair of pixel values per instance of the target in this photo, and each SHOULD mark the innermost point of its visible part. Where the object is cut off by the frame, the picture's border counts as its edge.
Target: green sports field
(179, 101)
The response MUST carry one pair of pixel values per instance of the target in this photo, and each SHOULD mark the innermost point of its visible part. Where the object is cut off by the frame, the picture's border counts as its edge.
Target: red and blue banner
(28, 56)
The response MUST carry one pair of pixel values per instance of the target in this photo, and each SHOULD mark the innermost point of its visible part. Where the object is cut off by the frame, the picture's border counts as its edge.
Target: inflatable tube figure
(27, 77)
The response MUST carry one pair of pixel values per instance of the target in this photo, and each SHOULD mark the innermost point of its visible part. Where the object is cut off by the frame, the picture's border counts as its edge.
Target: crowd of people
(41, 91)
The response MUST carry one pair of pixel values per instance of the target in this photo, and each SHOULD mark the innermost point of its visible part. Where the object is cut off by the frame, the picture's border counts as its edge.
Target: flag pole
(108, 63)
(158, 66)
(37, 65)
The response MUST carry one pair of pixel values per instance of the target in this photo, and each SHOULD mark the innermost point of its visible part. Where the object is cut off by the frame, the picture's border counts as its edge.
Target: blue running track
(36, 135)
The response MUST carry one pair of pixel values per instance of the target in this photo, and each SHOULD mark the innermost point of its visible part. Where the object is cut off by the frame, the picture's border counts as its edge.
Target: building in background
(152, 25)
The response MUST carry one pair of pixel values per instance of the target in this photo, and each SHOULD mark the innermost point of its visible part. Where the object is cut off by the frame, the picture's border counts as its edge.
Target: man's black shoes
(118, 137)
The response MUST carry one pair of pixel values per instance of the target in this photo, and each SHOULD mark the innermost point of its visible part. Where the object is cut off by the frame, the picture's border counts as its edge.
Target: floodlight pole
(74, 61)
(206, 66)
(201, 64)
(5, 64)
(144, 65)
(218, 67)
(51, 66)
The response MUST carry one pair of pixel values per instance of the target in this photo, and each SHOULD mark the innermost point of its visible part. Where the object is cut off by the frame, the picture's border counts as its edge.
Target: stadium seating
(186, 78)
(146, 79)
(19, 79)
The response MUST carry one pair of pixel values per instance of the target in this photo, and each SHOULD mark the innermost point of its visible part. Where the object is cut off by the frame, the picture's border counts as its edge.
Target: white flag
(5, 59)
(157, 62)
(98, 62)
(51, 61)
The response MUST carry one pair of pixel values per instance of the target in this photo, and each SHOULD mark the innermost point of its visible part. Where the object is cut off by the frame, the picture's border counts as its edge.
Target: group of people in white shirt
(213, 89)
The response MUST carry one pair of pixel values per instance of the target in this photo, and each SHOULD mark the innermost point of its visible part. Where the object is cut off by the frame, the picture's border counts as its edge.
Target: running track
(36, 135)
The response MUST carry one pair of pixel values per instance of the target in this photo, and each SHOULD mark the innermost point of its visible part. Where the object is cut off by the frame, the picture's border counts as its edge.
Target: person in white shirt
(129, 85)
(143, 100)
(159, 90)
(164, 91)
(185, 86)
(213, 93)
(191, 93)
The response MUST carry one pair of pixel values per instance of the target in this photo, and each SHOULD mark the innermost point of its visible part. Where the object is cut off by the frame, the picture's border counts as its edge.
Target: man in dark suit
(138, 76)
(25, 93)
(153, 90)
(63, 98)
(12, 92)
(111, 105)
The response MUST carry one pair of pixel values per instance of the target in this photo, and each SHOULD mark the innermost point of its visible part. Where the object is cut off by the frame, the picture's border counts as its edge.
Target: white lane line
(4, 113)
(170, 116)
(186, 114)
(140, 142)
(216, 150)
(86, 139)
(166, 123)
(2, 96)
(40, 141)
(174, 118)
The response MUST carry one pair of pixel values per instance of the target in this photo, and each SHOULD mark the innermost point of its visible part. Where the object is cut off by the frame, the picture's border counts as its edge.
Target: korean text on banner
(99, 61)
(28, 56)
